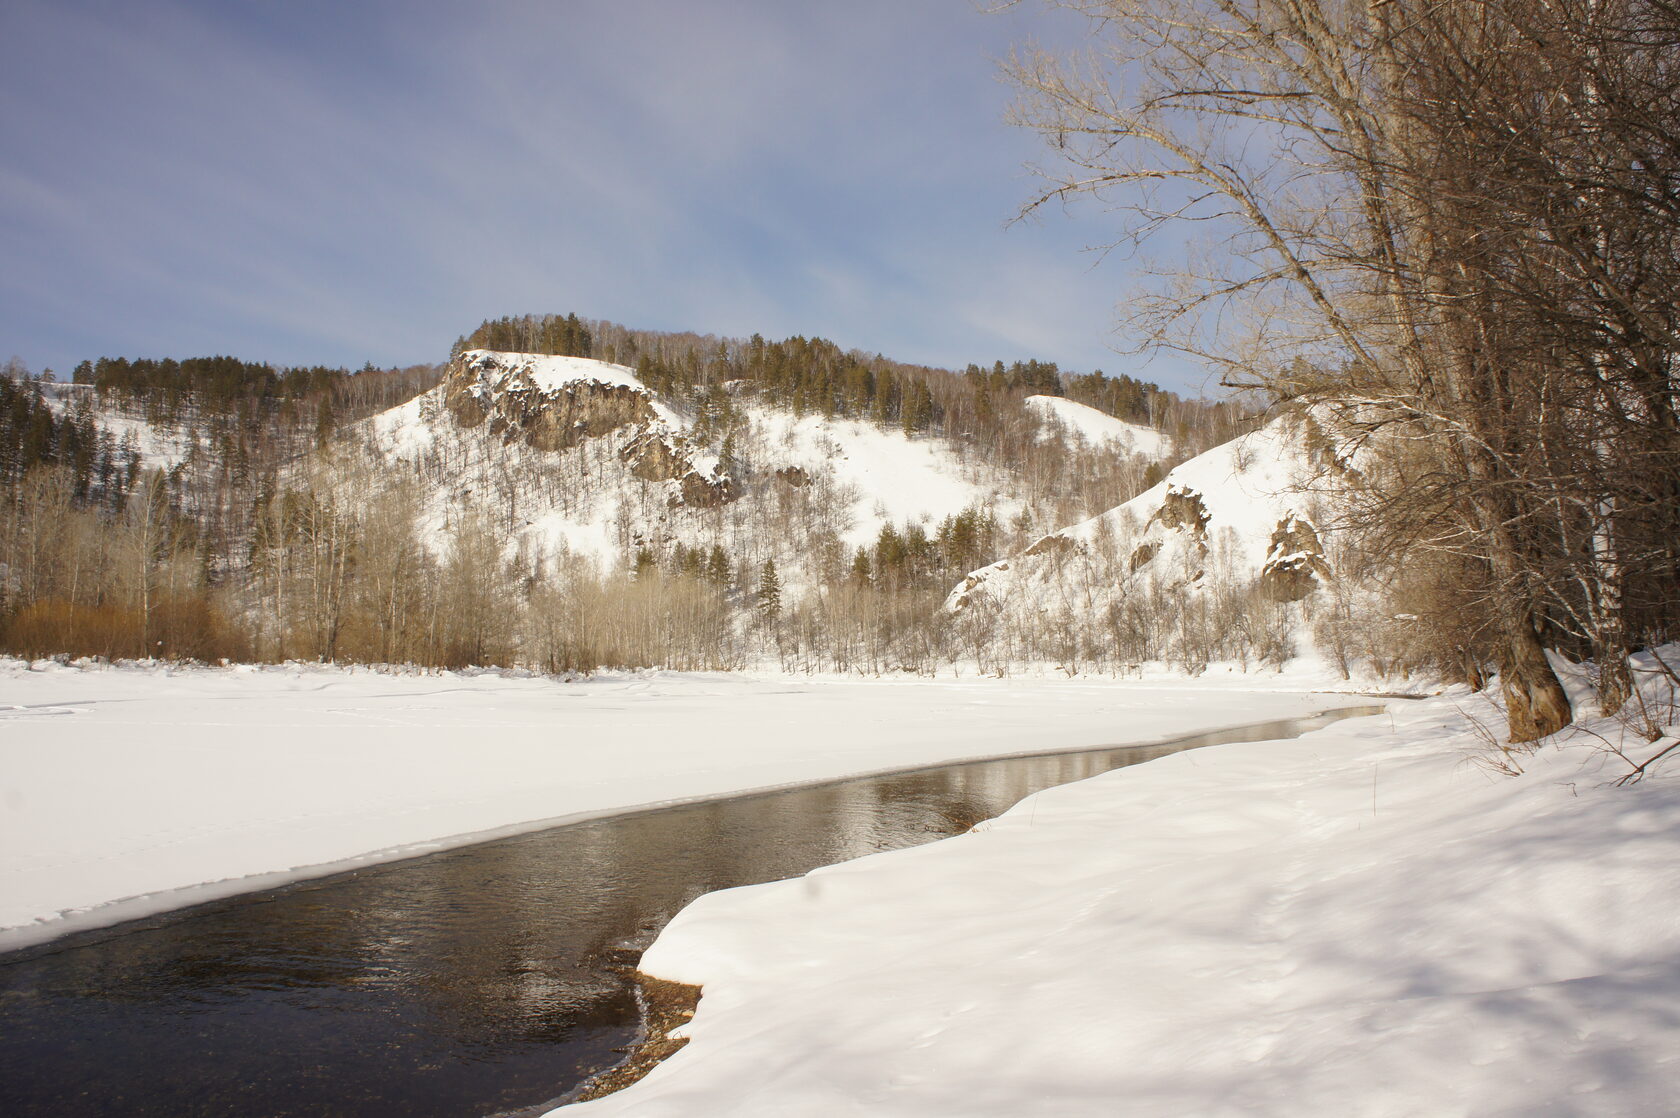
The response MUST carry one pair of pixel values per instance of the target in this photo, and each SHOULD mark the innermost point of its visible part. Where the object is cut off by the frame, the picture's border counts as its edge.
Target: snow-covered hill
(152, 446)
(566, 454)
(1240, 520)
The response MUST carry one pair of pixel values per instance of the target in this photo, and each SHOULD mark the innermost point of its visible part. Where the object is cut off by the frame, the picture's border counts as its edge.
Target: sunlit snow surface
(1363, 921)
(1359, 922)
(1098, 427)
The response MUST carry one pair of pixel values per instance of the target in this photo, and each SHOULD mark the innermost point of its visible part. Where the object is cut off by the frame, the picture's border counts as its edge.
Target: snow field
(895, 479)
(1359, 922)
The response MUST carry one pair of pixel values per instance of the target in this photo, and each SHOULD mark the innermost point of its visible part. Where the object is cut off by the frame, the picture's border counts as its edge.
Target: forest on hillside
(816, 375)
(275, 534)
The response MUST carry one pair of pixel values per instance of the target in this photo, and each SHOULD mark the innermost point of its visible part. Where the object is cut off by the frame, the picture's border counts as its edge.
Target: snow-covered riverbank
(1365, 921)
(128, 790)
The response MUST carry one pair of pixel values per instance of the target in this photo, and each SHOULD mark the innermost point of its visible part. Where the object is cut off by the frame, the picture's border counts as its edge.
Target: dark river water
(482, 980)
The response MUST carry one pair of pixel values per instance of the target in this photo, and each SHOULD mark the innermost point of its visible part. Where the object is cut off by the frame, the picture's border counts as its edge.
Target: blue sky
(336, 183)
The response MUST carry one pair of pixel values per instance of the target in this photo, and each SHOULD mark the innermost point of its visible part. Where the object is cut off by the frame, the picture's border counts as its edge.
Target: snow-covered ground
(1242, 491)
(890, 478)
(1098, 427)
(1364, 921)
(129, 790)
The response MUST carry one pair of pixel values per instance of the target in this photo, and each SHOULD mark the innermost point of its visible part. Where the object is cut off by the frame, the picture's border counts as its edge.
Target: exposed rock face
(702, 492)
(1183, 511)
(793, 476)
(1054, 544)
(1294, 563)
(653, 457)
(1183, 508)
(660, 457)
(502, 390)
(518, 408)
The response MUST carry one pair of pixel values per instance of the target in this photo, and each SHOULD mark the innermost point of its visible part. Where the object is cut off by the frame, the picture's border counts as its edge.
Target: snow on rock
(1098, 427)
(1355, 922)
(1247, 500)
(140, 789)
(555, 403)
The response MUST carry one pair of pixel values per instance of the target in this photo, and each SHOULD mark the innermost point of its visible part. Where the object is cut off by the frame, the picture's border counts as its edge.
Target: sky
(337, 183)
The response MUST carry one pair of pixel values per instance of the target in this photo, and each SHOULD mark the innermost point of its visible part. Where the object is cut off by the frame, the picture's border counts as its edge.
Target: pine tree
(769, 592)
(717, 568)
(325, 421)
(860, 567)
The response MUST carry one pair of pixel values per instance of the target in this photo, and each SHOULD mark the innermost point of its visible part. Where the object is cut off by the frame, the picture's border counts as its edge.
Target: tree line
(816, 376)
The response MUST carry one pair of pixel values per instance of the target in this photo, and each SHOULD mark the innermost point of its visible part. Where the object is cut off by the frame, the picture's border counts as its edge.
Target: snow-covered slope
(1241, 516)
(153, 446)
(887, 477)
(1098, 428)
(570, 454)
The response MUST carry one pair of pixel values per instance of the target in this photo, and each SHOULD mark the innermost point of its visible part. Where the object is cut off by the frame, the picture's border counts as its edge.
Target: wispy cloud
(334, 183)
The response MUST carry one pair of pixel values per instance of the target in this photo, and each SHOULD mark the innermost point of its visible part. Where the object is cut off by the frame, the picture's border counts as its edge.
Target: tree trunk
(1535, 702)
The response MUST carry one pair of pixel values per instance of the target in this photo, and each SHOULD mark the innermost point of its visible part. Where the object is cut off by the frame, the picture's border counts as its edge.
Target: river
(487, 979)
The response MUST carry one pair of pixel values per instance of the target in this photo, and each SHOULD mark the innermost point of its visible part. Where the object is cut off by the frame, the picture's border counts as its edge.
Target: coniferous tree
(769, 596)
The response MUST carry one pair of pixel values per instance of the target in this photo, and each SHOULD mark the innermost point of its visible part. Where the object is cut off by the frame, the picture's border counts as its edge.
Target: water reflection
(468, 982)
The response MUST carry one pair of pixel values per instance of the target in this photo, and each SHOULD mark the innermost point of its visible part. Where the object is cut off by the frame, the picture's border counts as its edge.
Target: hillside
(1222, 559)
(594, 496)
(1097, 428)
(571, 456)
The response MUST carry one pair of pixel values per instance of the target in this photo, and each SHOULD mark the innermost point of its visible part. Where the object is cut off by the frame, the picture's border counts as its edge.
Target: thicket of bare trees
(1455, 228)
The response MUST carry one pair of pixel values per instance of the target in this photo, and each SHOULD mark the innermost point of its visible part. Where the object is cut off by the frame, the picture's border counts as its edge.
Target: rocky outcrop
(1182, 508)
(1053, 544)
(793, 476)
(479, 388)
(521, 400)
(1294, 562)
(657, 456)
